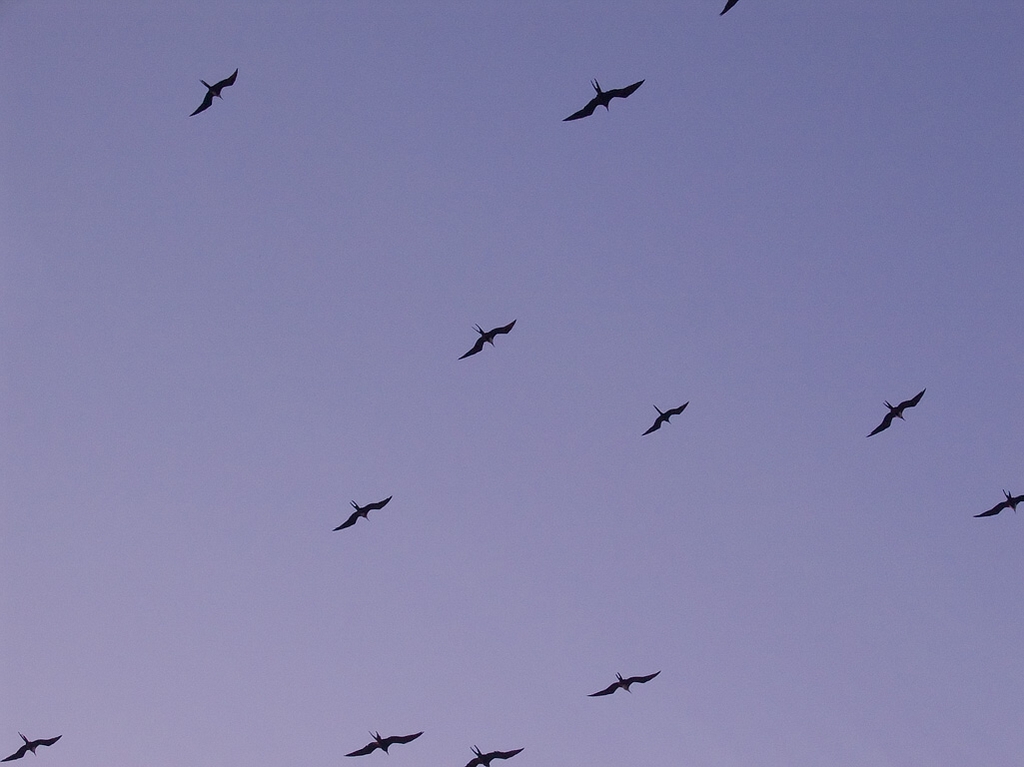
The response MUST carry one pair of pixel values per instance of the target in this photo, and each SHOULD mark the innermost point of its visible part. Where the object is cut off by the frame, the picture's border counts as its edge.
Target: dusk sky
(216, 331)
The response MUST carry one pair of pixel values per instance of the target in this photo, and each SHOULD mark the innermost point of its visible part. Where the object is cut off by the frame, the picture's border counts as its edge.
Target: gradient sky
(218, 330)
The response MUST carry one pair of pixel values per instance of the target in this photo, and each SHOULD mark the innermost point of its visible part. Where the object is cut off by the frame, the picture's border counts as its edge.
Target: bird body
(213, 91)
(664, 416)
(362, 511)
(30, 745)
(602, 99)
(623, 683)
(486, 337)
(486, 759)
(1010, 503)
(896, 411)
(383, 743)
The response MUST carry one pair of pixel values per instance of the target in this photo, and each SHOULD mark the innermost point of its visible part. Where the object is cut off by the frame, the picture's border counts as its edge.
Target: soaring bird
(897, 412)
(663, 417)
(1010, 503)
(30, 745)
(624, 684)
(602, 98)
(362, 511)
(383, 743)
(485, 759)
(214, 91)
(486, 337)
(728, 5)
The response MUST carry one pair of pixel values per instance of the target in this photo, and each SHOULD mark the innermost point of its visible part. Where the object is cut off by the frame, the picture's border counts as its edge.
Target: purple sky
(218, 330)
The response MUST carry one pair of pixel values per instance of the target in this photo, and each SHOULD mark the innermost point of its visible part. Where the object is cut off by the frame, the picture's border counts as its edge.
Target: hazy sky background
(218, 330)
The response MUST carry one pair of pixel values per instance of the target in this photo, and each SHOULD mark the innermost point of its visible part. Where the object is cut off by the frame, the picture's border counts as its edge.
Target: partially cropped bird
(486, 759)
(623, 683)
(602, 99)
(383, 743)
(728, 5)
(362, 511)
(486, 337)
(1010, 503)
(30, 745)
(213, 91)
(897, 412)
(664, 416)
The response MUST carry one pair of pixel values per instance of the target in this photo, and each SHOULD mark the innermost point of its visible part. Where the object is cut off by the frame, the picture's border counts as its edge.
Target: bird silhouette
(897, 412)
(362, 511)
(663, 417)
(602, 99)
(1010, 503)
(728, 5)
(213, 91)
(383, 743)
(486, 759)
(30, 745)
(623, 683)
(486, 337)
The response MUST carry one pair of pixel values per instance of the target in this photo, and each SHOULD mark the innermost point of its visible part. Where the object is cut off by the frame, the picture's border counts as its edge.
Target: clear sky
(217, 330)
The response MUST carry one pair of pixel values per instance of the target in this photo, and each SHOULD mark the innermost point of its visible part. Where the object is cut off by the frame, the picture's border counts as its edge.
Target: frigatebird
(602, 99)
(663, 417)
(362, 511)
(1010, 503)
(897, 412)
(30, 745)
(728, 5)
(214, 91)
(624, 684)
(383, 743)
(486, 337)
(485, 759)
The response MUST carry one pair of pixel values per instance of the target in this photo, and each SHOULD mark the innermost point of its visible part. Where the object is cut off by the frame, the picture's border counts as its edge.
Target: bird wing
(728, 5)
(912, 401)
(994, 510)
(377, 504)
(502, 330)
(17, 754)
(886, 422)
(585, 112)
(207, 101)
(624, 92)
(678, 410)
(369, 748)
(642, 679)
(504, 754)
(474, 762)
(606, 691)
(47, 741)
(403, 738)
(657, 425)
(477, 347)
(227, 81)
(348, 522)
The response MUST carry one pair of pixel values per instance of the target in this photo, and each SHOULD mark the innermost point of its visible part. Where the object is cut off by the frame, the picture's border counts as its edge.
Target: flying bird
(624, 684)
(728, 5)
(602, 99)
(30, 745)
(486, 337)
(362, 511)
(214, 91)
(486, 759)
(1010, 503)
(896, 412)
(663, 417)
(383, 743)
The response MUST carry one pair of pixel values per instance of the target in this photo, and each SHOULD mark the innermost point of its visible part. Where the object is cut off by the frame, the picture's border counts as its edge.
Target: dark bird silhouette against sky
(213, 91)
(486, 337)
(896, 412)
(30, 745)
(623, 683)
(383, 743)
(663, 417)
(602, 99)
(485, 759)
(362, 511)
(728, 5)
(1010, 503)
